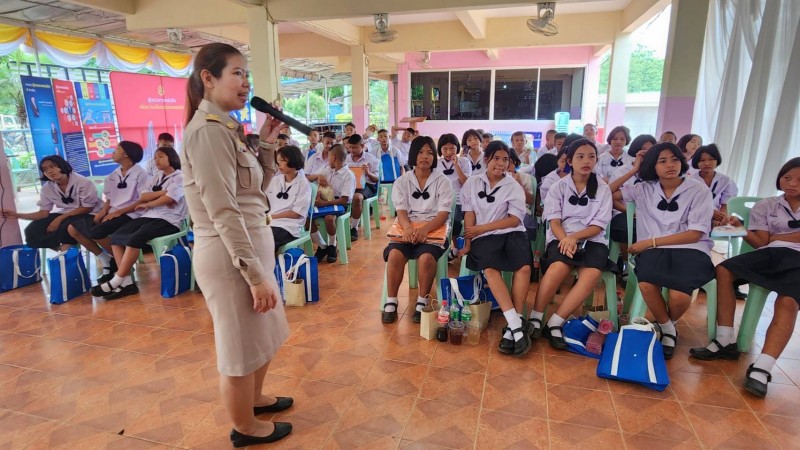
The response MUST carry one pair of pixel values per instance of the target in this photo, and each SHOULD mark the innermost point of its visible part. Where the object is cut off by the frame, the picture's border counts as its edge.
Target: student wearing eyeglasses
(673, 223)
(289, 195)
(67, 203)
(774, 232)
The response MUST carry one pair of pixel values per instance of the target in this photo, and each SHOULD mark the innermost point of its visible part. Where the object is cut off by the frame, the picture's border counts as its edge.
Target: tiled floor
(140, 373)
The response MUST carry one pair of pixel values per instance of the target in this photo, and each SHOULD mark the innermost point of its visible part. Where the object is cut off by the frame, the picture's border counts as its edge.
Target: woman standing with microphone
(224, 181)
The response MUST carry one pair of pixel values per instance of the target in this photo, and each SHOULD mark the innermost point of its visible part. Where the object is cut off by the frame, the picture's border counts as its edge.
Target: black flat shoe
(521, 346)
(331, 253)
(557, 342)
(97, 291)
(321, 254)
(122, 291)
(669, 352)
(417, 317)
(739, 294)
(754, 386)
(282, 429)
(389, 316)
(535, 332)
(353, 234)
(104, 279)
(506, 345)
(729, 352)
(282, 404)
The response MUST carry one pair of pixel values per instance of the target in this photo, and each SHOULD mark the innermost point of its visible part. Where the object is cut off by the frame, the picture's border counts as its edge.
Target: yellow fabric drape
(10, 33)
(68, 44)
(134, 55)
(177, 61)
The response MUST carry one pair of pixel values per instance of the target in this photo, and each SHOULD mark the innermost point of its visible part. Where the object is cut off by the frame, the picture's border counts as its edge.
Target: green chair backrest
(98, 184)
(741, 207)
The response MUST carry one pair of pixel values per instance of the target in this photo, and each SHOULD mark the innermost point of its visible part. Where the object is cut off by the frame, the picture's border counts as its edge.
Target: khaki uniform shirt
(225, 185)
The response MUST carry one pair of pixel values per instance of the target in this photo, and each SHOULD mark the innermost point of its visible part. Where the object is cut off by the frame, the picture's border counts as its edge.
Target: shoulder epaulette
(213, 118)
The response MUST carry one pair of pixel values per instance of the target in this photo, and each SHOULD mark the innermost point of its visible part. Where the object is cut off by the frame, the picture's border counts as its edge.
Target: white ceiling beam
(397, 58)
(474, 22)
(638, 12)
(492, 53)
(112, 6)
(337, 30)
(310, 45)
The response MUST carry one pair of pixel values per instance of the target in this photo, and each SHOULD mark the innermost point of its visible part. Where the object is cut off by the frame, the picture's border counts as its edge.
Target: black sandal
(669, 352)
(417, 317)
(506, 345)
(535, 332)
(754, 386)
(389, 316)
(521, 346)
(729, 352)
(97, 291)
(557, 342)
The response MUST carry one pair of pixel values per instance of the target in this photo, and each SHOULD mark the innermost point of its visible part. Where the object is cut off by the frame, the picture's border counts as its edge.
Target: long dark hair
(591, 185)
(214, 58)
(59, 162)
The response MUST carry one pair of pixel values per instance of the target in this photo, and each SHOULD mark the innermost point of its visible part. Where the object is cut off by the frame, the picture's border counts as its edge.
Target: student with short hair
(349, 130)
(457, 169)
(313, 145)
(121, 189)
(404, 143)
(289, 195)
(616, 156)
(320, 159)
(422, 195)
(774, 233)
(495, 241)
(359, 158)
(549, 146)
(163, 208)
(619, 220)
(688, 144)
(341, 179)
(67, 202)
(283, 140)
(562, 170)
(164, 140)
(668, 136)
(673, 223)
(471, 148)
(705, 160)
(559, 139)
(486, 138)
(384, 147)
(590, 132)
(519, 142)
(578, 209)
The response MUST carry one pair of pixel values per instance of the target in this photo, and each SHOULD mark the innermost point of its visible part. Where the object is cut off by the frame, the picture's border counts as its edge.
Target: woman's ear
(208, 79)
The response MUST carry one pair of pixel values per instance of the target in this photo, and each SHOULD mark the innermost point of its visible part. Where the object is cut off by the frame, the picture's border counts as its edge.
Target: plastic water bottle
(455, 315)
(466, 313)
(444, 315)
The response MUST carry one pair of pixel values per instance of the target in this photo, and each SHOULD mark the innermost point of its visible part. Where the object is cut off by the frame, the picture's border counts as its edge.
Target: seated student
(689, 143)
(121, 189)
(289, 195)
(673, 221)
(404, 143)
(590, 132)
(578, 208)
(486, 138)
(164, 140)
(67, 203)
(164, 208)
(349, 130)
(559, 139)
(471, 148)
(283, 140)
(668, 136)
(341, 179)
(774, 232)
(524, 180)
(384, 147)
(312, 147)
(723, 188)
(287, 131)
(457, 169)
(616, 156)
(422, 195)
(370, 136)
(358, 158)
(494, 207)
(320, 159)
(519, 143)
(562, 170)
(549, 146)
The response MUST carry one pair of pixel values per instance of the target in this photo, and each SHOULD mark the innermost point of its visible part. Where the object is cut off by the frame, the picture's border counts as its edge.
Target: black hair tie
(794, 223)
(424, 194)
(490, 196)
(284, 194)
(68, 199)
(583, 200)
(670, 206)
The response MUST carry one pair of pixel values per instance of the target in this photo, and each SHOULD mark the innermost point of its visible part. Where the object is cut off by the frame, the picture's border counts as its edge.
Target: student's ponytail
(591, 185)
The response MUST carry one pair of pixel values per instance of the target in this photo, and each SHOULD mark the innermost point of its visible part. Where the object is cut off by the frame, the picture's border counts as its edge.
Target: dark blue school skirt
(776, 269)
(679, 269)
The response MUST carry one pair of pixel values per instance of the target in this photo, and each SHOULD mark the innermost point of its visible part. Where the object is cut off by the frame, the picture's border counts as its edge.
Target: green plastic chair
(304, 240)
(741, 207)
(99, 184)
(342, 234)
(367, 205)
(386, 188)
(637, 305)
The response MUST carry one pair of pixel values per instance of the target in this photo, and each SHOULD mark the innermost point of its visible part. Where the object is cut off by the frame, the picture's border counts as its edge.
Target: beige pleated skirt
(245, 340)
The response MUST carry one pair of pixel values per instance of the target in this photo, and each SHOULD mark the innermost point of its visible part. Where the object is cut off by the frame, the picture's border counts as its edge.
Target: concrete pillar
(590, 91)
(360, 83)
(682, 65)
(618, 80)
(392, 107)
(265, 61)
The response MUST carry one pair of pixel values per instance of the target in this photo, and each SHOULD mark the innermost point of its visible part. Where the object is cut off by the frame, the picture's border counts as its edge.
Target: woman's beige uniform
(233, 245)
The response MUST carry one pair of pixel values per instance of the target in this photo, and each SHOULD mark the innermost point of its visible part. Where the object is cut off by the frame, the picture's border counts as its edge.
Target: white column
(360, 83)
(265, 62)
(618, 81)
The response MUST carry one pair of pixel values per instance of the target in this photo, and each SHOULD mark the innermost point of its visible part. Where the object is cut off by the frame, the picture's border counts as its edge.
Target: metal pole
(327, 106)
(35, 51)
(308, 107)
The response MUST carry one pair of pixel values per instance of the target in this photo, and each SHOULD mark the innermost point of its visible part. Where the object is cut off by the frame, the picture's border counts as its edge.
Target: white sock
(536, 315)
(353, 223)
(332, 240)
(421, 300)
(764, 362)
(514, 322)
(317, 239)
(667, 328)
(116, 281)
(391, 304)
(724, 337)
(555, 321)
(105, 260)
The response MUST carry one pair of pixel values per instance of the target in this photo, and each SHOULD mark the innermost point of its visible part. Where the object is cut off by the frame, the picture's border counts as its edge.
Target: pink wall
(508, 58)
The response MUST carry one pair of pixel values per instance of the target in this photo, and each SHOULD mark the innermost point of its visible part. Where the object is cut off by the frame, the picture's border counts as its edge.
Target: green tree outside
(645, 72)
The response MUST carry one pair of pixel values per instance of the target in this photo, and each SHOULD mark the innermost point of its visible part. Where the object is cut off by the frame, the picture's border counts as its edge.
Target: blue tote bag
(390, 168)
(176, 270)
(634, 355)
(306, 267)
(472, 287)
(576, 332)
(20, 265)
(68, 276)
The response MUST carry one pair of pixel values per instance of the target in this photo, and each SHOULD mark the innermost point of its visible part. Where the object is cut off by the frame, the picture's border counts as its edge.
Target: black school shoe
(754, 386)
(522, 346)
(353, 234)
(282, 429)
(122, 291)
(112, 269)
(321, 253)
(281, 404)
(506, 345)
(557, 342)
(331, 253)
(729, 352)
(669, 352)
(97, 291)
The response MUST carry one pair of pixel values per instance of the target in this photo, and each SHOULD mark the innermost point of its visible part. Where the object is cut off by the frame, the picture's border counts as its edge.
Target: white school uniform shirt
(400, 145)
(509, 200)
(574, 218)
(529, 158)
(543, 150)
(305, 150)
(316, 162)
(605, 148)
(527, 186)
(477, 166)
(136, 180)
(343, 181)
(723, 188)
(618, 173)
(368, 159)
(172, 184)
(394, 152)
(466, 167)
(438, 188)
(547, 183)
(607, 164)
(80, 190)
(298, 200)
(695, 211)
(773, 214)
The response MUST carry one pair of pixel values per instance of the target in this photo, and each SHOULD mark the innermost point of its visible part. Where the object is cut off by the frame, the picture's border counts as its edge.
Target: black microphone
(262, 105)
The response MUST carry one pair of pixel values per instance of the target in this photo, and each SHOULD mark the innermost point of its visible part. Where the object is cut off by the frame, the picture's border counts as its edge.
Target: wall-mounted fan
(543, 24)
(175, 36)
(383, 33)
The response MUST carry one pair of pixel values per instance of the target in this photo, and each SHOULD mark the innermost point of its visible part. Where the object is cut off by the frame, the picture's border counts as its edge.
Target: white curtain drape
(748, 98)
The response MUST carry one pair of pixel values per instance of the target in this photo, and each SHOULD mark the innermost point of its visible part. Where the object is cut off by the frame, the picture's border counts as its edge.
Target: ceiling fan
(383, 33)
(543, 23)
